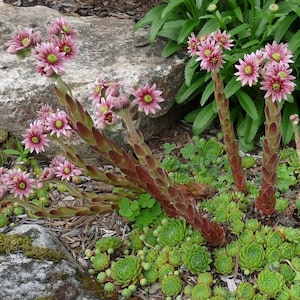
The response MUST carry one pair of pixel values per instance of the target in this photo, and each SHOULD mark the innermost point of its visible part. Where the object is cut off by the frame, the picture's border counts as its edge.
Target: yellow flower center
(97, 89)
(276, 56)
(67, 49)
(25, 41)
(276, 86)
(103, 109)
(207, 52)
(52, 58)
(282, 74)
(147, 99)
(35, 140)
(58, 124)
(67, 170)
(22, 185)
(66, 28)
(214, 61)
(248, 70)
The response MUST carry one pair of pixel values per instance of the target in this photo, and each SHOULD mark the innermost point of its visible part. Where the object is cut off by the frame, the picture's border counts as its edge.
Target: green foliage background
(252, 24)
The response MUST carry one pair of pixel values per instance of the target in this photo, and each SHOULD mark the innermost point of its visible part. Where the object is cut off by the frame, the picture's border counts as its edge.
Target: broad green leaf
(149, 17)
(186, 30)
(250, 44)
(238, 29)
(208, 91)
(294, 42)
(232, 87)
(171, 29)
(204, 118)
(170, 48)
(189, 70)
(247, 104)
(239, 14)
(286, 125)
(170, 7)
(210, 26)
(294, 6)
(191, 116)
(186, 91)
(282, 25)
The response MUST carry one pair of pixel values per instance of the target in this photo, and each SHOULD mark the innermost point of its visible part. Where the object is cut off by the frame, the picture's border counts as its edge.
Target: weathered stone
(108, 46)
(26, 278)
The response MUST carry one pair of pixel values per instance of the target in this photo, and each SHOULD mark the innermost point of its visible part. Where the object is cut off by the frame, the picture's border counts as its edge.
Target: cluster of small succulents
(169, 251)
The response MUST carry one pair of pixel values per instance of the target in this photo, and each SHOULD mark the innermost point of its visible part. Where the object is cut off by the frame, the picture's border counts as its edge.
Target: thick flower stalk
(209, 50)
(272, 63)
(295, 121)
(142, 172)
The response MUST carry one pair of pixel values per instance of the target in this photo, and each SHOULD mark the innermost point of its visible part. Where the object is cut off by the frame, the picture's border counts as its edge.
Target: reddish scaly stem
(229, 135)
(265, 202)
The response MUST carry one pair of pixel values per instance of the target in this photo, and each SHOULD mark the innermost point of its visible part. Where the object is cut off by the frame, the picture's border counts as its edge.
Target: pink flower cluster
(52, 55)
(49, 121)
(272, 64)
(109, 100)
(15, 181)
(209, 49)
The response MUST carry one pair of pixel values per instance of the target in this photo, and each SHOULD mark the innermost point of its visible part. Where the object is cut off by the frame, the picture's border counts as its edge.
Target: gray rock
(26, 278)
(108, 46)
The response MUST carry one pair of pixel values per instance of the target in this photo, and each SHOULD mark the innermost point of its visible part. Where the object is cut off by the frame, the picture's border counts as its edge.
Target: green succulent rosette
(287, 272)
(287, 250)
(151, 275)
(233, 248)
(245, 291)
(223, 264)
(172, 233)
(126, 271)
(165, 270)
(201, 292)
(175, 257)
(109, 242)
(295, 291)
(206, 278)
(171, 285)
(273, 255)
(270, 283)
(197, 259)
(274, 239)
(252, 224)
(252, 257)
(100, 261)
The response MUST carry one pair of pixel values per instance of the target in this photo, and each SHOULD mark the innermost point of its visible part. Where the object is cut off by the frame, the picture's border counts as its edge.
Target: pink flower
(51, 59)
(210, 55)
(23, 41)
(44, 112)
(60, 27)
(279, 52)
(147, 98)
(98, 90)
(58, 123)
(223, 39)
(34, 139)
(193, 43)
(48, 173)
(66, 170)
(248, 69)
(105, 115)
(277, 81)
(20, 183)
(67, 45)
(3, 184)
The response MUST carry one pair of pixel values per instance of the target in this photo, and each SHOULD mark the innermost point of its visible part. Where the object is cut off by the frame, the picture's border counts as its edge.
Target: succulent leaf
(109, 242)
(252, 257)
(269, 283)
(100, 261)
(201, 292)
(126, 270)
(223, 264)
(245, 291)
(197, 259)
(171, 285)
(172, 233)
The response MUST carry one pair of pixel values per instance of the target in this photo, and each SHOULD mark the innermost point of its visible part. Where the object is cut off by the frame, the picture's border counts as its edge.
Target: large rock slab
(28, 278)
(108, 46)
